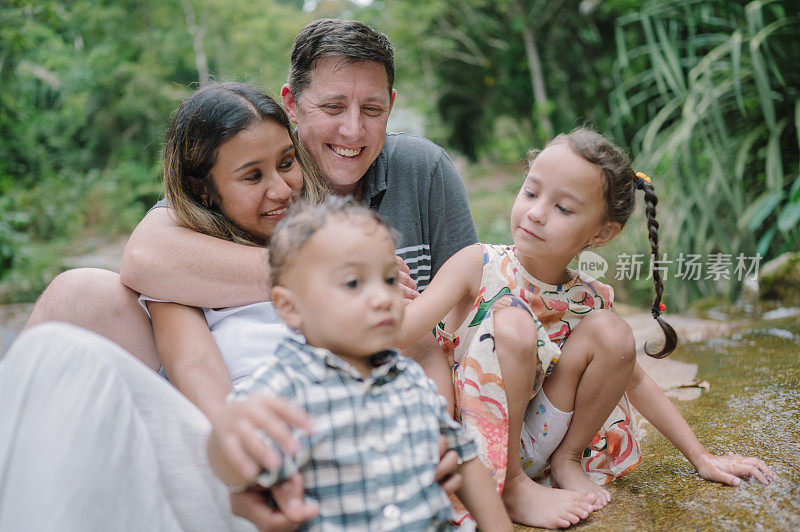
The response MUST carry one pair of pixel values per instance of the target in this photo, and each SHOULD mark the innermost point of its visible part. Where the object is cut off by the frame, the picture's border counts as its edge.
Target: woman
(123, 445)
(228, 174)
(88, 435)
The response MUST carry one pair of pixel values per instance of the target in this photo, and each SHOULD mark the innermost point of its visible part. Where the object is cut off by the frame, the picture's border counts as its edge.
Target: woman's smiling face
(256, 176)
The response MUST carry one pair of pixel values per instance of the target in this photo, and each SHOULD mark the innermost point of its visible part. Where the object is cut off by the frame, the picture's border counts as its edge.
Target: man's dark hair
(349, 39)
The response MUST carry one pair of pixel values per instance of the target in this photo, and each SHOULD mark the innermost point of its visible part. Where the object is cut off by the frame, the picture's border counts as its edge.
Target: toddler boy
(369, 461)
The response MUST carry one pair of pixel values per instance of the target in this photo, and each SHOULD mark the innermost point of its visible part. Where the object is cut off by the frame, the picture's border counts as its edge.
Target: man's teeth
(346, 152)
(274, 213)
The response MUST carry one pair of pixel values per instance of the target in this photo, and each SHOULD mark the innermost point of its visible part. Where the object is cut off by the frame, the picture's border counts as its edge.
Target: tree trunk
(535, 69)
(197, 33)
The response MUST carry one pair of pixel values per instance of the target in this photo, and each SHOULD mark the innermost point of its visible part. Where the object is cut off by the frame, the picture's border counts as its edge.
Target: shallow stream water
(752, 407)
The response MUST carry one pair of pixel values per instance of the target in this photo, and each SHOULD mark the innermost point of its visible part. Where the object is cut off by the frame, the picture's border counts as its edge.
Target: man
(340, 95)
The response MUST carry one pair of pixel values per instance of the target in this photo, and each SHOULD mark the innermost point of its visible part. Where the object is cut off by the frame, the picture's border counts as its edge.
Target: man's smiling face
(341, 118)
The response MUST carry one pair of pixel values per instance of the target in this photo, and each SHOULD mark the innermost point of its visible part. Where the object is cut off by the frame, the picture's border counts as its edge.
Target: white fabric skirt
(91, 439)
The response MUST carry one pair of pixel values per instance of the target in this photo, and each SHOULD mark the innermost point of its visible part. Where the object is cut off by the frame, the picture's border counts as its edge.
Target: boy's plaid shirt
(370, 460)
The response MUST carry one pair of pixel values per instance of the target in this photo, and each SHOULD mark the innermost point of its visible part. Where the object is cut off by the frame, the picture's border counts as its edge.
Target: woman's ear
(198, 188)
(606, 233)
(283, 300)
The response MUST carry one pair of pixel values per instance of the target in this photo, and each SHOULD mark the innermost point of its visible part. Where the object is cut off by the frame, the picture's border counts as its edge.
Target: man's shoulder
(412, 161)
(406, 146)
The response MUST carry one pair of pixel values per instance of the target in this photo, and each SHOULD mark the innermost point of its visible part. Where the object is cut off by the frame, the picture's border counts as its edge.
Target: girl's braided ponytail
(650, 201)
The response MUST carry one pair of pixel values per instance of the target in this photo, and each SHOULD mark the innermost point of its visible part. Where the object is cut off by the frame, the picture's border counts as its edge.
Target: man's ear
(391, 100)
(606, 233)
(289, 102)
(284, 303)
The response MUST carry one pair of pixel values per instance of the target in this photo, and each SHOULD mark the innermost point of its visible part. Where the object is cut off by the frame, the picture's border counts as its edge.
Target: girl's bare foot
(531, 504)
(567, 473)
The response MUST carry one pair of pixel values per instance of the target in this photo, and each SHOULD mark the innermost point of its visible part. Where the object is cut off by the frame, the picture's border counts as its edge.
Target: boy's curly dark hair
(305, 218)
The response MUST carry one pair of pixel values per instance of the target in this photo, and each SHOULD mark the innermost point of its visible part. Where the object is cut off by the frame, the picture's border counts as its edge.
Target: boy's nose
(381, 298)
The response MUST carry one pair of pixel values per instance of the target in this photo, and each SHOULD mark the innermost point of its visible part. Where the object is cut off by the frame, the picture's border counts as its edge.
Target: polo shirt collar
(318, 361)
(374, 183)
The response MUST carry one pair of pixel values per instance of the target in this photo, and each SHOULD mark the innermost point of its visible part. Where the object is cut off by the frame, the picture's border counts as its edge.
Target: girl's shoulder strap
(496, 254)
(497, 250)
(598, 289)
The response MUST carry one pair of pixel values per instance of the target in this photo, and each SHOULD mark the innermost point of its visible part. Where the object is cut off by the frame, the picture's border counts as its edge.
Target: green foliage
(472, 66)
(705, 92)
(88, 88)
(708, 95)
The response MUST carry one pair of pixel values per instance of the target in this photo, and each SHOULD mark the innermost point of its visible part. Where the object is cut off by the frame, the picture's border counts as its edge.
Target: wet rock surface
(779, 279)
(751, 407)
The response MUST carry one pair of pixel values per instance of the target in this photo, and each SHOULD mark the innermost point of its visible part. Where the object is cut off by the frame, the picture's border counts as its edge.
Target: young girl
(513, 315)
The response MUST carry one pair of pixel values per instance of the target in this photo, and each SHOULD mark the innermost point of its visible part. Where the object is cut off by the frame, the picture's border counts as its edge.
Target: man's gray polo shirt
(414, 185)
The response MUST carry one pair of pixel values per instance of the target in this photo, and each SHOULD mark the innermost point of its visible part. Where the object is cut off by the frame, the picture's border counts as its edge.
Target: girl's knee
(611, 334)
(515, 331)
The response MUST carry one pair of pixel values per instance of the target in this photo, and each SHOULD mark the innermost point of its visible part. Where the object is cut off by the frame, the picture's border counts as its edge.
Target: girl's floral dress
(480, 395)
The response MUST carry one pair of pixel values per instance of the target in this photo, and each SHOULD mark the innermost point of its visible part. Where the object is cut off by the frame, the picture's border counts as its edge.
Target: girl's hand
(731, 468)
(407, 284)
(236, 450)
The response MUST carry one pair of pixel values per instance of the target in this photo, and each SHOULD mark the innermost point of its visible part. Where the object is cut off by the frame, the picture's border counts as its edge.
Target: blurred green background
(705, 94)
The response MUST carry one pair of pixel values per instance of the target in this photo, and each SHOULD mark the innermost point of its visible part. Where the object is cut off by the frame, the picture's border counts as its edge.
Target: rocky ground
(93, 253)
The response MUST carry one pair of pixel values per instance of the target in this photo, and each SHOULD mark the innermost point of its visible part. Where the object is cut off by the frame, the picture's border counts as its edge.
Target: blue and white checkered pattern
(370, 460)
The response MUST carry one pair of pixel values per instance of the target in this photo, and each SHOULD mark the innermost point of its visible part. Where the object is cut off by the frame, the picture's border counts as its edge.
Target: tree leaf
(766, 239)
(758, 211)
(774, 158)
(790, 215)
(736, 64)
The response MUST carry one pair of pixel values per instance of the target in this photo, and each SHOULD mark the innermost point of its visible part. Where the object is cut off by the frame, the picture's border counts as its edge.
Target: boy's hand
(731, 468)
(236, 450)
(407, 284)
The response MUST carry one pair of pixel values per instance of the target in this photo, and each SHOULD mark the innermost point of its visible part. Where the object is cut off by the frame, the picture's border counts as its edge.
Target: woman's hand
(236, 449)
(732, 468)
(292, 510)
